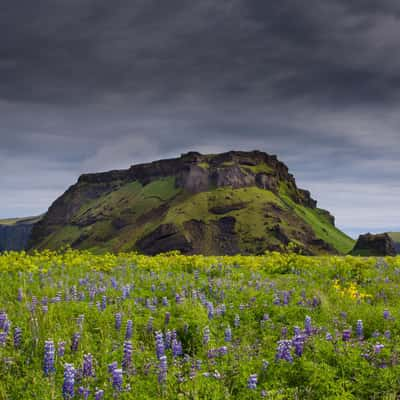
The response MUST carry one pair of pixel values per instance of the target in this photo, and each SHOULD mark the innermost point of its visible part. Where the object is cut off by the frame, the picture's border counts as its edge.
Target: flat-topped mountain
(234, 202)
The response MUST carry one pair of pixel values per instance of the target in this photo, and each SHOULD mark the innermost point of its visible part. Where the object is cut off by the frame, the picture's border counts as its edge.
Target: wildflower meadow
(74, 325)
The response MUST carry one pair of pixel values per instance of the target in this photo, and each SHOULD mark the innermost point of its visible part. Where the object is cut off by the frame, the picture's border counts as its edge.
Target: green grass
(395, 236)
(14, 221)
(261, 297)
(259, 168)
(204, 165)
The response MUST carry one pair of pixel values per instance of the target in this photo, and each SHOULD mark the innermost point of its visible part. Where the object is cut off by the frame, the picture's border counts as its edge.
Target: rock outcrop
(374, 245)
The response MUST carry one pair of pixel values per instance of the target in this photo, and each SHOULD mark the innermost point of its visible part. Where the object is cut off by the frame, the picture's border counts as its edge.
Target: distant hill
(369, 244)
(234, 202)
(15, 232)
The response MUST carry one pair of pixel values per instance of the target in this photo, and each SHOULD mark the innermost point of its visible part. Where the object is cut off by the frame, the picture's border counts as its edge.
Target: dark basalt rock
(227, 208)
(374, 245)
(165, 238)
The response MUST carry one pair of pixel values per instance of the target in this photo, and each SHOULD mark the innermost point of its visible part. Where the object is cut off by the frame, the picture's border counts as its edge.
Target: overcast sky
(93, 85)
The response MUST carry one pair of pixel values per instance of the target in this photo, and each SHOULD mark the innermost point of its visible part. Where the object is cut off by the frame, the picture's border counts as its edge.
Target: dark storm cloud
(92, 85)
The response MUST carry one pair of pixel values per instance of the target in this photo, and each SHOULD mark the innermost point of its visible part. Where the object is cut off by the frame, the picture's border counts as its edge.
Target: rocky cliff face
(375, 245)
(194, 203)
(15, 236)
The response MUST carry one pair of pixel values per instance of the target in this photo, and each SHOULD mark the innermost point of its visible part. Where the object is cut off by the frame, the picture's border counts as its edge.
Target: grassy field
(279, 326)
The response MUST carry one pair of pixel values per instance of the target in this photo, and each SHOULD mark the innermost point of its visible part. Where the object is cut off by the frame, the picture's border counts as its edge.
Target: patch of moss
(204, 165)
(257, 169)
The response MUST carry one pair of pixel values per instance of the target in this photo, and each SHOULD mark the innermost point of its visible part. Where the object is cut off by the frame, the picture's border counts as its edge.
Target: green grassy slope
(321, 226)
(102, 222)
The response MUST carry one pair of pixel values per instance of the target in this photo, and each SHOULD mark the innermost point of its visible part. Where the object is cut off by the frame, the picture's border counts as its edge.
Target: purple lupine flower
(316, 302)
(228, 334)
(125, 292)
(114, 283)
(3, 338)
(117, 379)
(129, 329)
(168, 339)
(69, 381)
(87, 365)
(3, 319)
(112, 366)
(360, 329)
(387, 334)
(164, 301)
(61, 349)
(210, 310)
(328, 336)
(206, 335)
(20, 295)
(167, 317)
(176, 347)
(160, 347)
(7, 325)
(298, 343)
(307, 325)
(276, 301)
(118, 321)
(84, 392)
(75, 341)
(48, 359)
(296, 331)
(17, 337)
(162, 369)
(236, 321)
(252, 381)
(103, 304)
(223, 350)
(346, 335)
(386, 314)
(378, 347)
(265, 365)
(283, 351)
(286, 297)
(178, 298)
(127, 358)
(99, 394)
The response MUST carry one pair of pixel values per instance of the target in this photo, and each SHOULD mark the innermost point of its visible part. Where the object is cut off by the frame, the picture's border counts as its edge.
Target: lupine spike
(49, 356)
(69, 381)
(117, 379)
(129, 329)
(87, 365)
